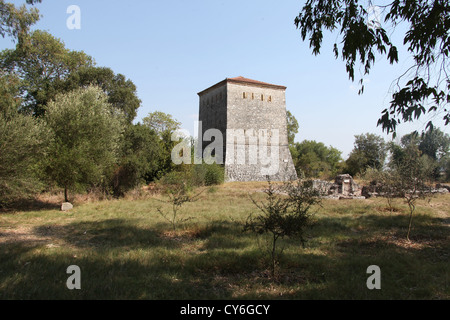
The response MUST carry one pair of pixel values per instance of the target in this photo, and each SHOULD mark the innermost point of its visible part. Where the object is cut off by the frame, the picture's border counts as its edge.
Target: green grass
(126, 250)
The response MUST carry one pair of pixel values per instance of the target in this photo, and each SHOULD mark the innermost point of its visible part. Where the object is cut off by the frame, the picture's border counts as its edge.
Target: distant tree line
(314, 159)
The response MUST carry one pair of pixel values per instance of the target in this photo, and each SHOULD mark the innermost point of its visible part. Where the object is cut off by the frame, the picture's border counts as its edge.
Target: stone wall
(258, 111)
(343, 187)
(249, 116)
(213, 112)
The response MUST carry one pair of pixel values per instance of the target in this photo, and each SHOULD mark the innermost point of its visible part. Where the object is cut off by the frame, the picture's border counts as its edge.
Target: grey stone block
(66, 206)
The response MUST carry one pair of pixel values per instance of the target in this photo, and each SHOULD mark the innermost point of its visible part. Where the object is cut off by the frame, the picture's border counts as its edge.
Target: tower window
(253, 96)
(244, 95)
(270, 99)
(262, 97)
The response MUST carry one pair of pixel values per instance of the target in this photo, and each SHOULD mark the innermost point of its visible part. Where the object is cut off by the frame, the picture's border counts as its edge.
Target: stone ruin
(375, 189)
(343, 187)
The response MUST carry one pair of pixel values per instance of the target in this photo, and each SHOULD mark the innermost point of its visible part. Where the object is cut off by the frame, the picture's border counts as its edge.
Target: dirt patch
(22, 235)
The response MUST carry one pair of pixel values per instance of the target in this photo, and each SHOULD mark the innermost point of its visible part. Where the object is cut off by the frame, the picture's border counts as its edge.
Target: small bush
(195, 176)
(214, 175)
(176, 180)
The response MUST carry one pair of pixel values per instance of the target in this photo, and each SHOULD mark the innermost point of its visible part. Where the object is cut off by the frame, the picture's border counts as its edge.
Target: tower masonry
(251, 116)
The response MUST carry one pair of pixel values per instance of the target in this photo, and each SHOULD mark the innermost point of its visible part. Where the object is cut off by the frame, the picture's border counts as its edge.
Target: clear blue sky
(173, 49)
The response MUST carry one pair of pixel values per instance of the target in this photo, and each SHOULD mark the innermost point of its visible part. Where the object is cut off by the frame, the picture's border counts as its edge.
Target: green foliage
(23, 143)
(162, 123)
(315, 160)
(292, 127)
(122, 92)
(87, 132)
(424, 88)
(196, 175)
(285, 213)
(139, 159)
(370, 151)
(47, 68)
(178, 197)
(447, 170)
(40, 63)
(209, 174)
(15, 22)
(9, 94)
(410, 178)
(433, 147)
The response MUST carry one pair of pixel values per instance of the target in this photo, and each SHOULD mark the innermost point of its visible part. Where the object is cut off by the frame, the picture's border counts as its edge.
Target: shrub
(285, 213)
(214, 175)
(195, 176)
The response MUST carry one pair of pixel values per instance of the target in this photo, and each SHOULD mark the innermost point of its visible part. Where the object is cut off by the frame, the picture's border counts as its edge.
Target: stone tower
(251, 115)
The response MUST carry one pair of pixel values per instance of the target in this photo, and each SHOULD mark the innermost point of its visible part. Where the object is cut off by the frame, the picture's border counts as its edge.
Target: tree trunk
(65, 194)
(274, 258)
(411, 211)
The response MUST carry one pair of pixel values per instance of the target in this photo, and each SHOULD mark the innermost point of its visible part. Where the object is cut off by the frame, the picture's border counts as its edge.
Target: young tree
(424, 87)
(409, 179)
(178, 197)
(285, 213)
(86, 133)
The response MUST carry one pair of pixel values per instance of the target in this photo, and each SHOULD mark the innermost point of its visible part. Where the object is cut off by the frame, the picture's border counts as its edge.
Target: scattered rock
(443, 186)
(66, 206)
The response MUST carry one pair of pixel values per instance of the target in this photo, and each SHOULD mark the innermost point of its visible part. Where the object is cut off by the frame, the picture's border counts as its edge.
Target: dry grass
(127, 251)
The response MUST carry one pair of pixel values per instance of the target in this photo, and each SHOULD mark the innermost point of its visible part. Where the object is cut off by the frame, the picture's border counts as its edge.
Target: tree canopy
(121, 92)
(86, 137)
(161, 122)
(39, 63)
(370, 151)
(23, 143)
(424, 88)
(314, 159)
(15, 22)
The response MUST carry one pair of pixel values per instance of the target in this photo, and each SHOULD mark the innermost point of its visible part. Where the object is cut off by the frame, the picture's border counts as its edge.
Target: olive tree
(86, 137)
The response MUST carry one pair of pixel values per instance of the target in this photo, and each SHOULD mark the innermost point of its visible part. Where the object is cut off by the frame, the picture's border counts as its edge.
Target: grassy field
(126, 250)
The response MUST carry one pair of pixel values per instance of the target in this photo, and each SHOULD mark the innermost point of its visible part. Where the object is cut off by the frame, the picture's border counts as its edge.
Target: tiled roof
(251, 81)
(244, 81)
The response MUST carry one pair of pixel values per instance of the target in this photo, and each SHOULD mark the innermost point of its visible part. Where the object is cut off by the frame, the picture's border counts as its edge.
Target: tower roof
(245, 81)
